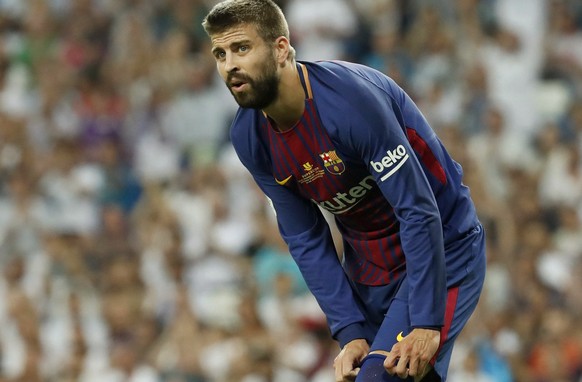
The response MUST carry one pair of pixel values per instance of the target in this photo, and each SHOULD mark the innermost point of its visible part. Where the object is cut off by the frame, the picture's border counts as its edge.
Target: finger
(339, 373)
(424, 366)
(343, 370)
(423, 371)
(414, 366)
(391, 361)
(339, 377)
(390, 364)
(351, 376)
(338, 367)
(348, 376)
(402, 367)
(418, 362)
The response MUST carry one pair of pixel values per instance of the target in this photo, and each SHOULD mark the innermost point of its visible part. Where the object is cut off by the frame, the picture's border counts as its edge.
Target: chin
(250, 103)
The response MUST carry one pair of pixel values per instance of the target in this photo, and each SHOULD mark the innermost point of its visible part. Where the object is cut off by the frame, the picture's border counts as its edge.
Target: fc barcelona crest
(333, 164)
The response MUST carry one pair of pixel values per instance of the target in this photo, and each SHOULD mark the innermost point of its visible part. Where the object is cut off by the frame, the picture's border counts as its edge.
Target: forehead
(243, 32)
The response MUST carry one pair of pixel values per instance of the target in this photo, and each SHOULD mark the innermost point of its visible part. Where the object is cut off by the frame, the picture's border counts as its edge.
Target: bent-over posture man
(345, 138)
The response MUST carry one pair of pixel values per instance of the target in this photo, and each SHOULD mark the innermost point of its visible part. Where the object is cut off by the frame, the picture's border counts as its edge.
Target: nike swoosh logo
(282, 182)
(399, 337)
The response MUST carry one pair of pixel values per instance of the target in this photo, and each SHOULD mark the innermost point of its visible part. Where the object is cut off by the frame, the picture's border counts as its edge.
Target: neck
(289, 106)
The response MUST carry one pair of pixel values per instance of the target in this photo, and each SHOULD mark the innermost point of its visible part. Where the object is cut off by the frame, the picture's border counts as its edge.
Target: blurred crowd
(134, 247)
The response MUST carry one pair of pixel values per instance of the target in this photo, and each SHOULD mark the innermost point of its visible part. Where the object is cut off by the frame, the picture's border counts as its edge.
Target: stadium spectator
(74, 242)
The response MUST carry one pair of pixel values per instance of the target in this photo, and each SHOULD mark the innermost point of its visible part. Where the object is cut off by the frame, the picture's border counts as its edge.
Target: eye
(243, 48)
(219, 54)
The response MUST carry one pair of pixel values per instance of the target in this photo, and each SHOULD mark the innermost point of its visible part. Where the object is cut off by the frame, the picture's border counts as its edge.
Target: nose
(230, 63)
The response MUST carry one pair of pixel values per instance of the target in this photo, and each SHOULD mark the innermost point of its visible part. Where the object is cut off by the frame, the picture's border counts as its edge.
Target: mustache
(234, 77)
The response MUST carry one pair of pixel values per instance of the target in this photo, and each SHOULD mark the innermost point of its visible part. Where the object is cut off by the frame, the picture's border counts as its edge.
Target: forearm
(314, 252)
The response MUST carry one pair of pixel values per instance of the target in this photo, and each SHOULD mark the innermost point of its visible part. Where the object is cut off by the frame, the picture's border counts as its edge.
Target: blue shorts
(461, 301)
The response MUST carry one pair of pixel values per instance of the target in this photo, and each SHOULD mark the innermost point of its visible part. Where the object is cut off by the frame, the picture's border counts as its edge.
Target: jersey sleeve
(310, 243)
(377, 134)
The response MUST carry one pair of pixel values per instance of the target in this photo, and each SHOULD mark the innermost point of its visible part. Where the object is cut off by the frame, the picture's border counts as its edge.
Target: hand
(349, 358)
(410, 357)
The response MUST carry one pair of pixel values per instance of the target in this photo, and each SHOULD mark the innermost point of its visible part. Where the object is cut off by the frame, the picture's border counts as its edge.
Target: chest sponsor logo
(345, 201)
(333, 163)
(391, 163)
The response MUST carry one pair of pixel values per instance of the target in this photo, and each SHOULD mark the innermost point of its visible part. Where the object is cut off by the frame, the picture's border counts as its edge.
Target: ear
(282, 49)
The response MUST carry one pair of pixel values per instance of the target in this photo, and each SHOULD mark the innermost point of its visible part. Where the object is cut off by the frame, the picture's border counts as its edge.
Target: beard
(261, 91)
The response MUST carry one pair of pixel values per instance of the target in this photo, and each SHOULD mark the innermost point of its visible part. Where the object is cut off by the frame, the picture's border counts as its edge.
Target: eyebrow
(234, 44)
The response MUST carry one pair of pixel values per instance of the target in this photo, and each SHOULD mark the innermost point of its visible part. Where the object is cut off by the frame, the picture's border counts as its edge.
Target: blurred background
(134, 247)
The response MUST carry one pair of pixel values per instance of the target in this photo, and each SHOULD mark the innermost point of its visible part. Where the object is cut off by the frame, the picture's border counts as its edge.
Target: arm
(310, 243)
(378, 134)
(309, 239)
(382, 140)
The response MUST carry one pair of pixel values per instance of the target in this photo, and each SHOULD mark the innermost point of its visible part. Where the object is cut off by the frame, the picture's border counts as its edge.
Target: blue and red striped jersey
(363, 151)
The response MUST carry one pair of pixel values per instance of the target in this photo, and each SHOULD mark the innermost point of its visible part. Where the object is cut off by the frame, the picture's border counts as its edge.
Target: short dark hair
(267, 17)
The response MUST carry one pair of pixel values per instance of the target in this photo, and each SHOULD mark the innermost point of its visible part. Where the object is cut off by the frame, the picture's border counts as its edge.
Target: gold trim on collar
(306, 79)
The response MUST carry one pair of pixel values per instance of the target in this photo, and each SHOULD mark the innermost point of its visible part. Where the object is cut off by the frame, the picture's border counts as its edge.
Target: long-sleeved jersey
(363, 151)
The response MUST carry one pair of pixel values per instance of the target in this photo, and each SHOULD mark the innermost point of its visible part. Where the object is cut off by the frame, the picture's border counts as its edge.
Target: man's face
(248, 66)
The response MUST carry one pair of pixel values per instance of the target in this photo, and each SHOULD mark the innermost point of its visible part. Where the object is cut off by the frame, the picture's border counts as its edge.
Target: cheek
(221, 70)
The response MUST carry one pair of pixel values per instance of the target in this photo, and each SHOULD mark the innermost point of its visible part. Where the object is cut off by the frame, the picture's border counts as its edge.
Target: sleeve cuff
(433, 327)
(352, 332)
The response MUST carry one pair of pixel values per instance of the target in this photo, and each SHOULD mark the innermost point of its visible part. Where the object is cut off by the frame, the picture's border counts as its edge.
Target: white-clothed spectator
(70, 203)
(514, 61)
(561, 177)
(499, 149)
(199, 116)
(319, 27)
(214, 290)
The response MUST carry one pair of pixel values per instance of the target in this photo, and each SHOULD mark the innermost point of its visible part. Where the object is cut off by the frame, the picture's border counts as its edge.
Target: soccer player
(345, 138)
